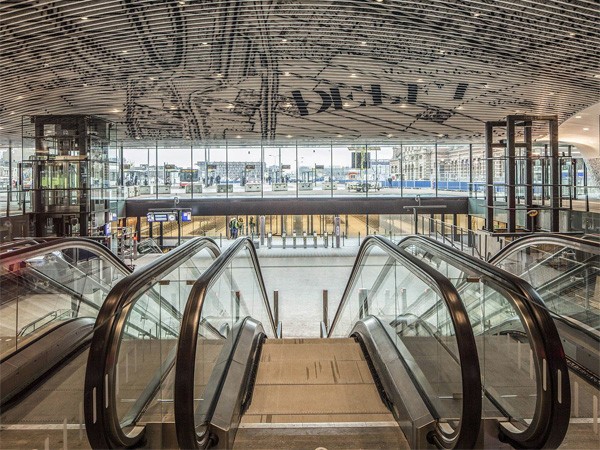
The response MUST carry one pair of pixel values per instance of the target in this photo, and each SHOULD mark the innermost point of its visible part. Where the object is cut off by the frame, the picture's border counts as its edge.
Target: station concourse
(289, 225)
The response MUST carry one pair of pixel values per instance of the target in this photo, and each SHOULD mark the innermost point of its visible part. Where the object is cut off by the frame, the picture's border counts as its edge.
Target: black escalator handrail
(18, 256)
(185, 423)
(101, 418)
(466, 433)
(573, 242)
(551, 417)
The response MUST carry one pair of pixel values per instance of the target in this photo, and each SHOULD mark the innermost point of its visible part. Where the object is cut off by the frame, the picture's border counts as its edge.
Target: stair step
(316, 399)
(313, 372)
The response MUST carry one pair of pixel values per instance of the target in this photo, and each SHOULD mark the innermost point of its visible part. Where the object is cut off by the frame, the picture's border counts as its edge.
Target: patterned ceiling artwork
(281, 69)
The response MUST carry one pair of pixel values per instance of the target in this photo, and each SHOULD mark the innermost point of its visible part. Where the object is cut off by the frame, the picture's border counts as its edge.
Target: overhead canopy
(282, 69)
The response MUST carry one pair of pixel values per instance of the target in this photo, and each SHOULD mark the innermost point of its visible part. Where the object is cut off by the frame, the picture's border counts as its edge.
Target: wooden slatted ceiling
(271, 69)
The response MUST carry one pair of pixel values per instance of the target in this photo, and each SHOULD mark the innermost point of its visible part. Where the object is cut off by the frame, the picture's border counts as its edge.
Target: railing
(215, 298)
(141, 314)
(53, 316)
(381, 283)
(486, 290)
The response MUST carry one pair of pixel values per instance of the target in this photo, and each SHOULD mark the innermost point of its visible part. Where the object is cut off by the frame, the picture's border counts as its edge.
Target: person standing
(233, 228)
(252, 225)
(240, 222)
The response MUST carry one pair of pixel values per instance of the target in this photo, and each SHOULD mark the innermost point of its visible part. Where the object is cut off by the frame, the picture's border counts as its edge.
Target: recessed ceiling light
(440, 135)
(597, 75)
(124, 51)
(152, 78)
(390, 135)
(205, 43)
(578, 117)
(287, 104)
(419, 80)
(460, 107)
(116, 110)
(363, 43)
(550, 93)
(379, 1)
(284, 40)
(20, 97)
(403, 105)
(571, 34)
(476, 14)
(182, 2)
(486, 86)
(12, 113)
(442, 51)
(340, 135)
(286, 74)
(84, 18)
(352, 75)
(138, 137)
(520, 63)
(84, 84)
(238, 136)
(219, 75)
(172, 107)
(289, 136)
(346, 105)
(586, 129)
(230, 106)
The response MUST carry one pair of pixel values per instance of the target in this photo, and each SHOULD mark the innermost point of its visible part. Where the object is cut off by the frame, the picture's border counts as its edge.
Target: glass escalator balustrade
(514, 376)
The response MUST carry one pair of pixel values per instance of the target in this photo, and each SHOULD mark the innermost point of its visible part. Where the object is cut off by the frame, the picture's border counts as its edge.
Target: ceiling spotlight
(578, 117)
(363, 43)
(346, 105)
(352, 75)
(124, 51)
(238, 137)
(84, 84)
(442, 52)
(289, 136)
(286, 74)
(152, 78)
(460, 108)
(476, 14)
(219, 75)
(440, 135)
(586, 129)
(84, 18)
(116, 110)
(571, 34)
(403, 105)
(284, 40)
(597, 75)
(379, 1)
(287, 104)
(519, 63)
(172, 107)
(182, 2)
(550, 93)
(340, 135)
(205, 43)
(419, 80)
(20, 97)
(390, 135)
(12, 113)
(486, 86)
(230, 106)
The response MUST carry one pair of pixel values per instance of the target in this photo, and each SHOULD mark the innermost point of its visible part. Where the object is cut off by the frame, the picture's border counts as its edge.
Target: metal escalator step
(317, 399)
(313, 372)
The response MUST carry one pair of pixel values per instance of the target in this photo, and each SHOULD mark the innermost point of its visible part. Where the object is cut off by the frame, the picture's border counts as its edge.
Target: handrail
(466, 433)
(101, 418)
(187, 346)
(17, 256)
(552, 411)
(576, 243)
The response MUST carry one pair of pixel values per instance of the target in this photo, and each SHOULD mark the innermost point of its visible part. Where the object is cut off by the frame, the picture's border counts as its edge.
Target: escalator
(565, 271)
(58, 398)
(524, 372)
(368, 375)
(51, 294)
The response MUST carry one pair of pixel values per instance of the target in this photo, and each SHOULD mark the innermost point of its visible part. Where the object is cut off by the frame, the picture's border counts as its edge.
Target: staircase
(312, 393)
